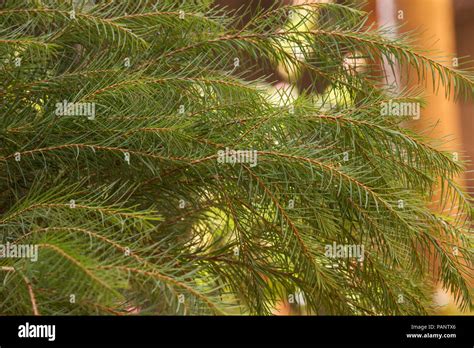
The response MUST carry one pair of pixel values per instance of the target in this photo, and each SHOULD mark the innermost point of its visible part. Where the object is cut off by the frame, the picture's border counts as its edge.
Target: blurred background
(445, 27)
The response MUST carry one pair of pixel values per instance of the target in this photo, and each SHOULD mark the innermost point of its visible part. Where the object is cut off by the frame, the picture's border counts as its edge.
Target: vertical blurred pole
(433, 22)
(465, 48)
(386, 13)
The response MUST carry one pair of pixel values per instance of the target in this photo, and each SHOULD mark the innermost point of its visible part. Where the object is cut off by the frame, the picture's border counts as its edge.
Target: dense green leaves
(133, 207)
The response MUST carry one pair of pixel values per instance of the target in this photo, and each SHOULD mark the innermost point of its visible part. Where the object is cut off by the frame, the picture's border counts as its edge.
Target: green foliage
(173, 230)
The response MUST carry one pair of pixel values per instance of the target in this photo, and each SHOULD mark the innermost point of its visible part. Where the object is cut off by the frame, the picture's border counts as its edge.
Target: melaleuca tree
(114, 120)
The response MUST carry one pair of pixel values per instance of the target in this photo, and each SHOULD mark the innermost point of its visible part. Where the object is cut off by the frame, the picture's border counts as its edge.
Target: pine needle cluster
(157, 175)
